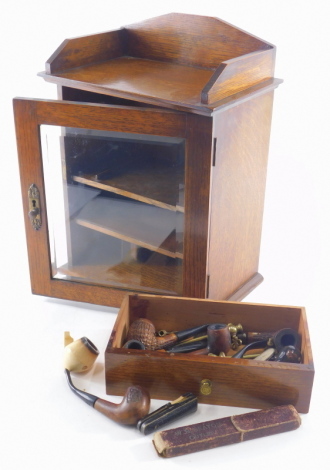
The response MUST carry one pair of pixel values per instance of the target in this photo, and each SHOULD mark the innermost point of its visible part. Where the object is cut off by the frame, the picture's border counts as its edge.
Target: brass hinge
(214, 150)
(207, 286)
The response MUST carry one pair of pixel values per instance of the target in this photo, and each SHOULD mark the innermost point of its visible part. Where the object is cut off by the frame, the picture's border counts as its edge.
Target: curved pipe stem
(255, 345)
(134, 406)
(86, 397)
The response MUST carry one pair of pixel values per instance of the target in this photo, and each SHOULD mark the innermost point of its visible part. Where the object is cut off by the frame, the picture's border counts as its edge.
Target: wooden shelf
(156, 186)
(178, 61)
(130, 275)
(116, 78)
(145, 225)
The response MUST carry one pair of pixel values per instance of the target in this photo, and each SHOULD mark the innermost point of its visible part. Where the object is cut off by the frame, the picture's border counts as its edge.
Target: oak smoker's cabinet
(148, 175)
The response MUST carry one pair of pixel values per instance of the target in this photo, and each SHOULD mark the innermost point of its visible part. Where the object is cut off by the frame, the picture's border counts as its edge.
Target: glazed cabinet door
(113, 200)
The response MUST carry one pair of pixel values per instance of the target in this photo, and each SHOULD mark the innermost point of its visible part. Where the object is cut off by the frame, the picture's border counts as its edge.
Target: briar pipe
(134, 406)
(288, 354)
(279, 339)
(252, 336)
(143, 330)
(218, 340)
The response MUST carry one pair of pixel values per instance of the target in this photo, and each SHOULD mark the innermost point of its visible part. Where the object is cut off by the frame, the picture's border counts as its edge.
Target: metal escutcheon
(205, 387)
(34, 206)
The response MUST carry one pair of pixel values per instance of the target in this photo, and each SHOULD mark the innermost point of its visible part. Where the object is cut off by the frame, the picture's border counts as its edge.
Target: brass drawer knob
(205, 387)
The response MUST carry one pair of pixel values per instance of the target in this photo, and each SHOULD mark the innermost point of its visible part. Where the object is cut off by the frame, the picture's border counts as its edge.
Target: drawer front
(214, 382)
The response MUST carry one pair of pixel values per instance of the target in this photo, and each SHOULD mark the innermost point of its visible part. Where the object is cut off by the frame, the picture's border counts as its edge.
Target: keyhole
(34, 212)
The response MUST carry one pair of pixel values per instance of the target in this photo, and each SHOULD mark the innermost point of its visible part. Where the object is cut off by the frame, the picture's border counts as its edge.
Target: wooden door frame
(197, 130)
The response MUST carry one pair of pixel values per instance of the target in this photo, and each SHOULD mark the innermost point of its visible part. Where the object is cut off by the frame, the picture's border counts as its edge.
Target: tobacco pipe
(134, 344)
(285, 337)
(143, 330)
(280, 338)
(134, 406)
(218, 341)
(79, 355)
(288, 354)
(254, 345)
(252, 336)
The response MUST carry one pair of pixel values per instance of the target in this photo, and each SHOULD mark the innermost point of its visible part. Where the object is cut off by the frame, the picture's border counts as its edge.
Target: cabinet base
(246, 288)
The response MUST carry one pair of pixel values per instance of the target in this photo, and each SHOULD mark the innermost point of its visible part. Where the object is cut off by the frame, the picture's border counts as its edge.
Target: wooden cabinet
(148, 174)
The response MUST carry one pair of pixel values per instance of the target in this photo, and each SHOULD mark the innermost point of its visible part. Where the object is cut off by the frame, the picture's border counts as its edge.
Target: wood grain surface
(29, 115)
(156, 185)
(177, 60)
(143, 224)
(235, 382)
(238, 188)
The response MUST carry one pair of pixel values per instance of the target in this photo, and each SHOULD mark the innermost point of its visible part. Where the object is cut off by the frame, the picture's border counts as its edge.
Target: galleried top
(180, 61)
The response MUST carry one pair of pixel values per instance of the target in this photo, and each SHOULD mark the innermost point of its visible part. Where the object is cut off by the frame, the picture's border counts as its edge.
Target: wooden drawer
(234, 382)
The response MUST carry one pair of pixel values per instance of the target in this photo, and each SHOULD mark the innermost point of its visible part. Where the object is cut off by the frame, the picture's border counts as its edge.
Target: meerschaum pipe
(79, 355)
(134, 406)
(143, 330)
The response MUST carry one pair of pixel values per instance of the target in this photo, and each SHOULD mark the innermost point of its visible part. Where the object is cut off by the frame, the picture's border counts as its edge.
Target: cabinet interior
(122, 214)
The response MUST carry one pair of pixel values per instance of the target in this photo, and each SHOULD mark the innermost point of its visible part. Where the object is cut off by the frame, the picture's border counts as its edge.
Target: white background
(42, 424)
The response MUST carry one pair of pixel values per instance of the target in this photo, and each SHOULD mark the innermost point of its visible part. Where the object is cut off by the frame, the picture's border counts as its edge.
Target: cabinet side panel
(237, 196)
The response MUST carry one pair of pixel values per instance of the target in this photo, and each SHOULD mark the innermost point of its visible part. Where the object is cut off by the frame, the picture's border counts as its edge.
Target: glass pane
(115, 208)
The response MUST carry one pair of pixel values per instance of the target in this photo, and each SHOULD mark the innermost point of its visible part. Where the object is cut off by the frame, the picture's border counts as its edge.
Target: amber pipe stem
(192, 340)
(255, 351)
